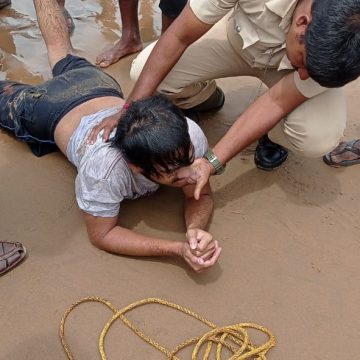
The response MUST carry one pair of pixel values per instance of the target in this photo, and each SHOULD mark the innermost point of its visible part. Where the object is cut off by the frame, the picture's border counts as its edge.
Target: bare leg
(69, 21)
(170, 11)
(54, 30)
(4, 3)
(165, 22)
(130, 41)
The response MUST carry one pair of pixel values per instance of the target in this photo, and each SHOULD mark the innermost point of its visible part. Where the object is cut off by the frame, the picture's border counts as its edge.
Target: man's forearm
(105, 234)
(259, 118)
(198, 212)
(127, 242)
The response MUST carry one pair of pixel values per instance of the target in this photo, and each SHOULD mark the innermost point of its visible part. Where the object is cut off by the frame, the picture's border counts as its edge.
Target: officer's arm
(254, 122)
(186, 29)
(259, 118)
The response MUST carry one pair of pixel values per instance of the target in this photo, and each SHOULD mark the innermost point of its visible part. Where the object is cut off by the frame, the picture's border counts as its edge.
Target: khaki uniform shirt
(257, 29)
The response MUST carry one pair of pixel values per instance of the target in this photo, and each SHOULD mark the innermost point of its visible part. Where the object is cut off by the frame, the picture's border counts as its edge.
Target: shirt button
(237, 28)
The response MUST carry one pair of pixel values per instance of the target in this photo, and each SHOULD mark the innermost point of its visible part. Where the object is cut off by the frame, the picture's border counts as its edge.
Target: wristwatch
(214, 161)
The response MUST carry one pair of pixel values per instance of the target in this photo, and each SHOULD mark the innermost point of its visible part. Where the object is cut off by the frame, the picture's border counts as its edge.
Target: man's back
(104, 177)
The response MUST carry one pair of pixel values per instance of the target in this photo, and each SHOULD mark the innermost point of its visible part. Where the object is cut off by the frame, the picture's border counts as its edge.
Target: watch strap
(215, 162)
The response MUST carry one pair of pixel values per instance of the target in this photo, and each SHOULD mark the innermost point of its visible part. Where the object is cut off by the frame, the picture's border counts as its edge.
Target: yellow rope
(235, 338)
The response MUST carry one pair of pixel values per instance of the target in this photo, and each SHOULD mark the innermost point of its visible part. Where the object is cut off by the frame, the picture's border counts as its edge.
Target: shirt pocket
(244, 28)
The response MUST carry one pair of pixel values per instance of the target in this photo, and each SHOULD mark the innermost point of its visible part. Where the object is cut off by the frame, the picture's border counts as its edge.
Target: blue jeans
(31, 113)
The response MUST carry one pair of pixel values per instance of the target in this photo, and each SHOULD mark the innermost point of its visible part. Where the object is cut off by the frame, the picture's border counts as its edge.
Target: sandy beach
(290, 238)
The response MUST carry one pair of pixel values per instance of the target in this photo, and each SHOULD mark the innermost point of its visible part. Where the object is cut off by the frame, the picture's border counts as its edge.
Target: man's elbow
(98, 241)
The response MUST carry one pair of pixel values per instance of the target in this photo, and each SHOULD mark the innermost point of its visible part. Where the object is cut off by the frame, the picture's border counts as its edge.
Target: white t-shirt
(104, 178)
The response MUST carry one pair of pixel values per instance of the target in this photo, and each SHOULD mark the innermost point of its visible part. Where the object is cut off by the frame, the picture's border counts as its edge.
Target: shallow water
(97, 27)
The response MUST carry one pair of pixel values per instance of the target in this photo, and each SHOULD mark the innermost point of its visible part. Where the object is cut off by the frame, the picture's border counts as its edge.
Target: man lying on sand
(151, 144)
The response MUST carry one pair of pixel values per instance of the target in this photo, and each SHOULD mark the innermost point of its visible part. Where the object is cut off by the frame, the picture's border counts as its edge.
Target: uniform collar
(284, 9)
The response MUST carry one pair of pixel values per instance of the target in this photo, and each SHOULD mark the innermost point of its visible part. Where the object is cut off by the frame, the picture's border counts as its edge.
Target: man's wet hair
(332, 42)
(153, 134)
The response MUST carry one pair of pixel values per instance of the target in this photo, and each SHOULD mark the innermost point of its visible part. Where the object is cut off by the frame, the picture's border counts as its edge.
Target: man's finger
(213, 260)
(200, 183)
(209, 249)
(206, 255)
(90, 139)
(193, 242)
(204, 242)
(193, 261)
(106, 134)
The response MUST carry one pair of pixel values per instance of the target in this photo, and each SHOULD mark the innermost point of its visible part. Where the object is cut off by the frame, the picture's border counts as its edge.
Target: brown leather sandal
(347, 153)
(11, 254)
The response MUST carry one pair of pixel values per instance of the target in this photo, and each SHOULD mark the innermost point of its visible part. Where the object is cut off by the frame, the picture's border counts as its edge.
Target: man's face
(295, 40)
(296, 53)
(176, 177)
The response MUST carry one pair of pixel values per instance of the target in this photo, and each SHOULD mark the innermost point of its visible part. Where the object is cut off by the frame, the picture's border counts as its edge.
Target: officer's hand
(197, 173)
(108, 125)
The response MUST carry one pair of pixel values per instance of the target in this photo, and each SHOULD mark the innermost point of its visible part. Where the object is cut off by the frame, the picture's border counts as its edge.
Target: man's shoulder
(103, 161)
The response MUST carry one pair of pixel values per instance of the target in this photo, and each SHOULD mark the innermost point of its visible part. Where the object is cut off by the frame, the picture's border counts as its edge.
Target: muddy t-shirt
(104, 178)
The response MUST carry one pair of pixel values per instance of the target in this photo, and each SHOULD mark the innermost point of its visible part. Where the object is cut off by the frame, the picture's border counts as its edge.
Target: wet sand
(290, 238)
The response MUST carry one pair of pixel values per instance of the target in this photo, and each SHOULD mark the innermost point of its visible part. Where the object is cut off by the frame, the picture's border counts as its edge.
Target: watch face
(213, 160)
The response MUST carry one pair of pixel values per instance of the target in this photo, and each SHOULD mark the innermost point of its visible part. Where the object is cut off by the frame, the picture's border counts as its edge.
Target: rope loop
(234, 338)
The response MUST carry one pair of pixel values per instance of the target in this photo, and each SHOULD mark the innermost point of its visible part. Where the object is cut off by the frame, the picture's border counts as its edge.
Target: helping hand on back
(108, 125)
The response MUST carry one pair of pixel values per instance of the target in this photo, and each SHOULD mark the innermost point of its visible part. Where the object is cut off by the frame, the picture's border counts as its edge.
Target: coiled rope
(235, 338)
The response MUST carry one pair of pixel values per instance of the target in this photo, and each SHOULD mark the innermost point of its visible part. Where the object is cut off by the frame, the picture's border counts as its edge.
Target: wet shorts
(172, 8)
(32, 112)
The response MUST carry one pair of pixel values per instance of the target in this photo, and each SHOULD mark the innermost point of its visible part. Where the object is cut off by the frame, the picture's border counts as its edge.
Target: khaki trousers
(312, 129)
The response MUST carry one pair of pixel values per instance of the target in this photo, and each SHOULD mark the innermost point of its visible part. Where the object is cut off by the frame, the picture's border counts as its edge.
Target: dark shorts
(172, 8)
(31, 113)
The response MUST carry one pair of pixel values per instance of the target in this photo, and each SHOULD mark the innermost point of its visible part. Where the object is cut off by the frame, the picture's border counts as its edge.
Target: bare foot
(119, 50)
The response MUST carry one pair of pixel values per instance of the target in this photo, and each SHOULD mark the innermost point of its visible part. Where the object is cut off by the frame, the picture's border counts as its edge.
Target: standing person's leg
(53, 28)
(170, 9)
(4, 3)
(190, 83)
(130, 41)
(69, 21)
